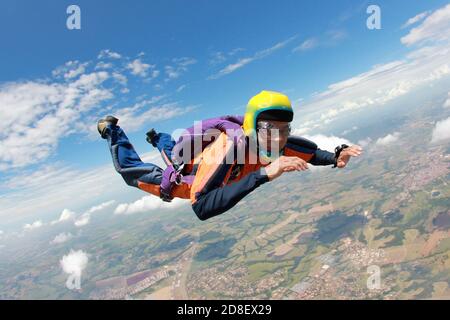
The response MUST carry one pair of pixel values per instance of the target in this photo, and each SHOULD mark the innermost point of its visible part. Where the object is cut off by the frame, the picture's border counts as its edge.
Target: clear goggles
(269, 130)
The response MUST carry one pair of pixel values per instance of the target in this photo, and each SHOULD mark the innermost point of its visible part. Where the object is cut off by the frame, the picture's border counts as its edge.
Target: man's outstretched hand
(285, 164)
(346, 154)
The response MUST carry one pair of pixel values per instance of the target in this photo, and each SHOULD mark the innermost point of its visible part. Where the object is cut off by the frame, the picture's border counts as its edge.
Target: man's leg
(126, 160)
(172, 175)
(165, 144)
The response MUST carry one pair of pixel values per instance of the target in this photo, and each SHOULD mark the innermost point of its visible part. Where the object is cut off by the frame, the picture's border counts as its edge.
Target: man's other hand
(347, 153)
(285, 164)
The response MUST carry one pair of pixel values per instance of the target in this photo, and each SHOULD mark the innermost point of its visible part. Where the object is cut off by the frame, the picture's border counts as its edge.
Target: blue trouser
(128, 163)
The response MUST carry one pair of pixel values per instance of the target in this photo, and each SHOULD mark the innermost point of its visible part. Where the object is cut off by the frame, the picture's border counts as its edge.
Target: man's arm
(221, 199)
(308, 151)
(210, 195)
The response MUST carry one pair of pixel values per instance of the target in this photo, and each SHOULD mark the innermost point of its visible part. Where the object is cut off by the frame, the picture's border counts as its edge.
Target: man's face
(272, 134)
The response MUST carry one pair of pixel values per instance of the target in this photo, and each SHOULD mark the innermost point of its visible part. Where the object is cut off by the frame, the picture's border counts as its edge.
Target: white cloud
(35, 178)
(36, 115)
(434, 28)
(120, 78)
(101, 206)
(184, 61)
(75, 73)
(441, 131)
(155, 73)
(83, 220)
(108, 54)
(327, 142)
(66, 215)
(180, 66)
(235, 50)
(416, 19)
(336, 35)
(149, 203)
(171, 72)
(323, 142)
(138, 68)
(70, 70)
(244, 61)
(307, 45)
(232, 67)
(61, 238)
(181, 88)
(219, 57)
(388, 140)
(134, 117)
(103, 65)
(74, 263)
(35, 225)
(330, 38)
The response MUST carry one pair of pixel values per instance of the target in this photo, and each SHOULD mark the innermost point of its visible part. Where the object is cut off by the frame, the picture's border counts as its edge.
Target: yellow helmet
(274, 105)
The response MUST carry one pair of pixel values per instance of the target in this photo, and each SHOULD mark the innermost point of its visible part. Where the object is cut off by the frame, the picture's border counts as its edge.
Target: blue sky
(199, 59)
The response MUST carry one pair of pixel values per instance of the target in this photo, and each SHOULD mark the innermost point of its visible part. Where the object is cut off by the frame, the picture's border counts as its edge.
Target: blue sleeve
(220, 199)
(308, 150)
(322, 158)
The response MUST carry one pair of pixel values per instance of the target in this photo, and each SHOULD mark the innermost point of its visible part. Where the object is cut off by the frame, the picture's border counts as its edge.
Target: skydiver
(206, 176)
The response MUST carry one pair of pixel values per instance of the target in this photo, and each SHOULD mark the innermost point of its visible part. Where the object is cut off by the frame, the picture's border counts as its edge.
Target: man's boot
(103, 123)
(151, 135)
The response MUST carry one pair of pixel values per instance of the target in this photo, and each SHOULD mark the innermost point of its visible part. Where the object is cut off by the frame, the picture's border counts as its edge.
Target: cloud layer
(385, 82)
(434, 28)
